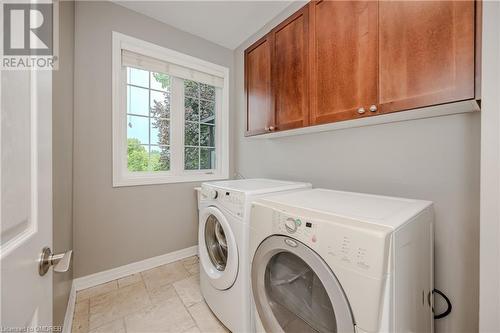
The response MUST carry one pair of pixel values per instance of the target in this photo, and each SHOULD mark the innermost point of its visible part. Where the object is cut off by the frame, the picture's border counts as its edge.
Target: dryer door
(217, 247)
(295, 290)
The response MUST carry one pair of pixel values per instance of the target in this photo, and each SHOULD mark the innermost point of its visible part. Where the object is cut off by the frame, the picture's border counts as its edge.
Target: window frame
(121, 175)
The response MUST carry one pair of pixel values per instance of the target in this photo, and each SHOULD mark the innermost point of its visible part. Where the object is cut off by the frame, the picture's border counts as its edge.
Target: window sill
(159, 180)
(427, 112)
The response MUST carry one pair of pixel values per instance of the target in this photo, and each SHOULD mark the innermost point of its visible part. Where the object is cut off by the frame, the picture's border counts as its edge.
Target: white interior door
(26, 197)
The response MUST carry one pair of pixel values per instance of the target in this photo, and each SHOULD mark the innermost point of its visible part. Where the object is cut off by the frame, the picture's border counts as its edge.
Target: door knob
(59, 261)
(361, 110)
(272, 128)
(373, 108)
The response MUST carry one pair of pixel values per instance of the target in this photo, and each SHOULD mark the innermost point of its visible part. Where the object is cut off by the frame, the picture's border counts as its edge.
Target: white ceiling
(227, 23)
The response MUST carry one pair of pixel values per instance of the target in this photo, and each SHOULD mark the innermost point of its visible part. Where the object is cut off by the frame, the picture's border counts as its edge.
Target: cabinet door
(290, 72)
(426, 53)
(258, 88)
(343, 51)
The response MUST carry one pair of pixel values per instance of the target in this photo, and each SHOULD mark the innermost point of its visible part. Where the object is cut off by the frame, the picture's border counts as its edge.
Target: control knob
(290, 225)
(210, 193)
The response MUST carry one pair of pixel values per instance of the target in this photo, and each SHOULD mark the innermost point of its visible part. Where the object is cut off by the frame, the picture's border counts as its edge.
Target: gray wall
(117, 226)
(489, 299)
(62, 150)
(434, 159)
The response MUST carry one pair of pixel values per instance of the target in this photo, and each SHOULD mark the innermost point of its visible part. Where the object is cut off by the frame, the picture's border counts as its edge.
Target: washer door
(295, 290)
(218, 250)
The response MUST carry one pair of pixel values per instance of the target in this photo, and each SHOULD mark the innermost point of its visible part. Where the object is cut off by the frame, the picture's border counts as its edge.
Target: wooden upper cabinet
(426, 53)
(291, 72)
(343, 59)
(258, 86)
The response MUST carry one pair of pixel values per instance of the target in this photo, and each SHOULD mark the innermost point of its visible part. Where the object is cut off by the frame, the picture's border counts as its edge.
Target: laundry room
(250, 166)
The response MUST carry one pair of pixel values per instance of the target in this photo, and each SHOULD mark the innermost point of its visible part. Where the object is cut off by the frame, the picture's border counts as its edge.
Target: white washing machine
(330, 261)
(224, 209)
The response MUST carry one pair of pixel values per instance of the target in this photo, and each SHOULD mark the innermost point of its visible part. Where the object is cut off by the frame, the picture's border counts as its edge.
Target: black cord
(448, 303)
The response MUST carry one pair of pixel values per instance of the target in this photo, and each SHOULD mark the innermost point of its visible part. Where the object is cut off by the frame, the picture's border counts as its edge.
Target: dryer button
(363, 265)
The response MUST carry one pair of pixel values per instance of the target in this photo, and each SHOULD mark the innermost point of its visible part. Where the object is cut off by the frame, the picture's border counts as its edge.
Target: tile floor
(163, 299)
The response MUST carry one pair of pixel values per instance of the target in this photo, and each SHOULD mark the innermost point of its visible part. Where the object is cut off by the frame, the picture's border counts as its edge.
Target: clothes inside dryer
(296, 295)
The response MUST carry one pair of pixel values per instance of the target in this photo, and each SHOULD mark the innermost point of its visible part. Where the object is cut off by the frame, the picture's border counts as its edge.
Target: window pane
(160, 104)
(207, 92)
(191, 88)
(137, 156)
(160, 158)
(192, 134)
(138, 128)
(207, 158)
(199, 131)
(207, 135)
(160, 81)
(138, 77)
(160, 131)
(207, 112)
(191, 158)
(137, 100)
(191, 107)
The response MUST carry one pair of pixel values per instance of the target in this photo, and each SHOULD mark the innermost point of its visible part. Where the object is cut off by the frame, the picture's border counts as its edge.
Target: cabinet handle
(361, 110)
(373, 108)
(271, 128)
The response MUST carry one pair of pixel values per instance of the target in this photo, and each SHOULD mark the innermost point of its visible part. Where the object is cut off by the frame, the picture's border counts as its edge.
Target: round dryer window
(216, 243)
(218, 249)
(295, 290)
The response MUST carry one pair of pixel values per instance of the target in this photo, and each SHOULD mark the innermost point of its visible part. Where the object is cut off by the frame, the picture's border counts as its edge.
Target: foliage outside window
(149, 126)
(199, 142)
(148, 121)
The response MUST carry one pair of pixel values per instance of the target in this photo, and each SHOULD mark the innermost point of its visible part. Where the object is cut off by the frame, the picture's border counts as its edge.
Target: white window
(170, 115)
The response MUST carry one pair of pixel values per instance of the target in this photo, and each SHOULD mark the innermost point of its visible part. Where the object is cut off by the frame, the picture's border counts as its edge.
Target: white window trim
(121, 175)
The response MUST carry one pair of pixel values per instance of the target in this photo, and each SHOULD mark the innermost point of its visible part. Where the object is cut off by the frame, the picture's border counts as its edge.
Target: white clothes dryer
(224, 209)
(330, 261)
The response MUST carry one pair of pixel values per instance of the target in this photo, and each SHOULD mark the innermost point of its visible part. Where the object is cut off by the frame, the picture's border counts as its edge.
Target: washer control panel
(347, 244)
(232, 201)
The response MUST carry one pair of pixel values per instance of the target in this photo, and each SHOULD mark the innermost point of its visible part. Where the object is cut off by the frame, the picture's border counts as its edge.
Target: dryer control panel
(346, 244)
(299, 227)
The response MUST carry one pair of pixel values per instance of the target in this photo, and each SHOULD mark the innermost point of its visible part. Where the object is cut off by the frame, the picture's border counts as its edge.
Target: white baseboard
(70, 309)
(92, 280)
